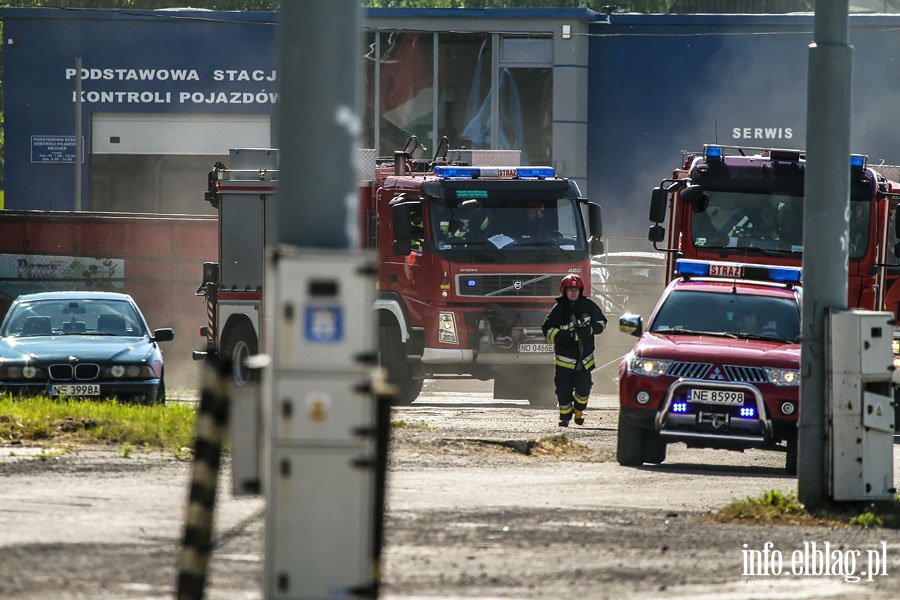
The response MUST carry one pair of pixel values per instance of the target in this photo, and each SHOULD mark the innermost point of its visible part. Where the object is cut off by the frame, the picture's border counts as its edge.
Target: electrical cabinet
(859, 408)
(320, 472)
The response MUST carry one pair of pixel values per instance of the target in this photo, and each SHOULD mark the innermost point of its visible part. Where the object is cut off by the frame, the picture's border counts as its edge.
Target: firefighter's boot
(580, 404)
(565, 414)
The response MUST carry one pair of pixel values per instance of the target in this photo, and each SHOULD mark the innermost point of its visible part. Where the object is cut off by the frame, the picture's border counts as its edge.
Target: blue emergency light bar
(446, 172)
(706, 268)
(858, 160)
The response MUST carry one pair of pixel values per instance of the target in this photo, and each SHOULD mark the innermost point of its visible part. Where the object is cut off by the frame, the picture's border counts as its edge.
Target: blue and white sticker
(324, 324)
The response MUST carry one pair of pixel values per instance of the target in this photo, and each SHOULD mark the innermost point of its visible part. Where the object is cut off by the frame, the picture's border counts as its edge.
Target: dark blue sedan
(81, 345)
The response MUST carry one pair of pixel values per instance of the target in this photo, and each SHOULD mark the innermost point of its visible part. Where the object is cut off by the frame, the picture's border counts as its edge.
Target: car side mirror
(631, 324)
(166, 334)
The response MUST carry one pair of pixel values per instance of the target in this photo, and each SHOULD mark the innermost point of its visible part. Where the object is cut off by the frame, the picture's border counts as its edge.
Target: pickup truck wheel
(239, 344)
(654, 451)
(629, 444)
(790, 460)
(392, 356)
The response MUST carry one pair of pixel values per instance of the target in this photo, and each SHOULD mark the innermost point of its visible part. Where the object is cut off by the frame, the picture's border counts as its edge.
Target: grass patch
(70, 422)
(775, 507)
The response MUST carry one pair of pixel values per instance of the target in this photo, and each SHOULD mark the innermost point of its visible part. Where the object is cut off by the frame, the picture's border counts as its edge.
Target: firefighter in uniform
(571, 326)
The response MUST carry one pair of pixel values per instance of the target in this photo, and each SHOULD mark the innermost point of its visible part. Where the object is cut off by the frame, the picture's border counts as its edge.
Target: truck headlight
(447, 328)
(649, 366)
(783, 377)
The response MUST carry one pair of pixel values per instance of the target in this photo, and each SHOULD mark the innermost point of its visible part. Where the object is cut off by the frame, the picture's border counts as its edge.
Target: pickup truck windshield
(730, 315)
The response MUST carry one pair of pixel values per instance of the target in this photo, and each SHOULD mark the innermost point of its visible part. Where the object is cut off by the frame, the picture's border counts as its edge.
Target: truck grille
(688, 370)
(746, 374)
(508, 285)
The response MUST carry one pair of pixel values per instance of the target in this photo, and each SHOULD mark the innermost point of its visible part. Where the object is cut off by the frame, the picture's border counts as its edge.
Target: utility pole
(825, 220)
(325, 424)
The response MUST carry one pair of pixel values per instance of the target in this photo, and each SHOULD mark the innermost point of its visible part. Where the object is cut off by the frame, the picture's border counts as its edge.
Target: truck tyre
(629, 444)
(790, 459)
(392, 356)
(654, 451)
(239, 344)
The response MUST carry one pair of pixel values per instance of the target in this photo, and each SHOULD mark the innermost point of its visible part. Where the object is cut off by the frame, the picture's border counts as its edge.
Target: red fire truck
(470, 259)
(746, 204)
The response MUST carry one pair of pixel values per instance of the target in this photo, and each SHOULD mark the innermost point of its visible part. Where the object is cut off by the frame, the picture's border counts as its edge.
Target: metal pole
(826, 215)
(78, 151)
(319, 123)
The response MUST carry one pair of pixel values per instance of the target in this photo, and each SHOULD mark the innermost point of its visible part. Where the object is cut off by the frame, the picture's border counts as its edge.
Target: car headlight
(783, 377)
(13, 372)
(130, 372)
(447, 328)
(652, 367)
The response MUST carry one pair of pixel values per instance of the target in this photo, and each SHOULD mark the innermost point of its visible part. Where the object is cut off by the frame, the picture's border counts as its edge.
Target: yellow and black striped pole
(211, 427)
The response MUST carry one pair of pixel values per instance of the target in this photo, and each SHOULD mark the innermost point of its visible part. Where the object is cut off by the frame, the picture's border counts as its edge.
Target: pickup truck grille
(746, 374)
(735, 373)
(688, 370)
(527, 285)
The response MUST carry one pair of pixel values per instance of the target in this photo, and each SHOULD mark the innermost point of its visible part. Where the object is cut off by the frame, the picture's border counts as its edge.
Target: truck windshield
(509, 228)
(766, 223)
(730, 315)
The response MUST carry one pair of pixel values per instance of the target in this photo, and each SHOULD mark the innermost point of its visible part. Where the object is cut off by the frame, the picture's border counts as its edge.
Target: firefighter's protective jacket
(571, 327)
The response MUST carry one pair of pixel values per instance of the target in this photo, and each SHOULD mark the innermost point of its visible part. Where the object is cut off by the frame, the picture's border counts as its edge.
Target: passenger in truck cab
(766, 222)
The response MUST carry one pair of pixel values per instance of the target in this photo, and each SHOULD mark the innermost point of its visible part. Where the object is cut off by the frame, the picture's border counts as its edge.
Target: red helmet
(569, 281)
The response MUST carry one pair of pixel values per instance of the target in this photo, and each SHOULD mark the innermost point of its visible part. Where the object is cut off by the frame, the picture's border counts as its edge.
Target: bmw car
(81, 345)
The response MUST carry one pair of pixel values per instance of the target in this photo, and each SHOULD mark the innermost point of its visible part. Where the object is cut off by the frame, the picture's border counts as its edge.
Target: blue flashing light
(471, 282)
(713, 153)
(704, 268)
(446, 172)
(858, 160)
(535, 172)
(785, 274)
(463, 172)
(747, 412)
(696, 268)
(679, 407)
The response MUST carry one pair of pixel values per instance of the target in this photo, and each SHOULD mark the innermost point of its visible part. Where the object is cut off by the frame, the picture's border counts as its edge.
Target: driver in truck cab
(571, 326)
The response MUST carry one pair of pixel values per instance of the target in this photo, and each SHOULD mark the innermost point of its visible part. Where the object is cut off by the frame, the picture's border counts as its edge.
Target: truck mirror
(595, 221)
(658, 201)
(692, 194)
(400, 221)
(657, 234)
(596, 246)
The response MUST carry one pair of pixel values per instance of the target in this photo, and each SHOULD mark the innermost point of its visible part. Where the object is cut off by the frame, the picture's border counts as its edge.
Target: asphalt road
(467, 517)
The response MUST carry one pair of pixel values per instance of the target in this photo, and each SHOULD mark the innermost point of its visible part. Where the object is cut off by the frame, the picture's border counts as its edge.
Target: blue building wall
(657, 85)
(660, 84)
(162, 62)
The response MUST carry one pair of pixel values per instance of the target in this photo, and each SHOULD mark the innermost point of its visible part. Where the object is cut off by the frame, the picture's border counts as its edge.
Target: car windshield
(730, 315)
(73, 317)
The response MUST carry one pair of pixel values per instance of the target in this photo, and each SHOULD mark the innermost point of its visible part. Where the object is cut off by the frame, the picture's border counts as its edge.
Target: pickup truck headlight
(783, 377)
(652, 367)
(447, 328)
